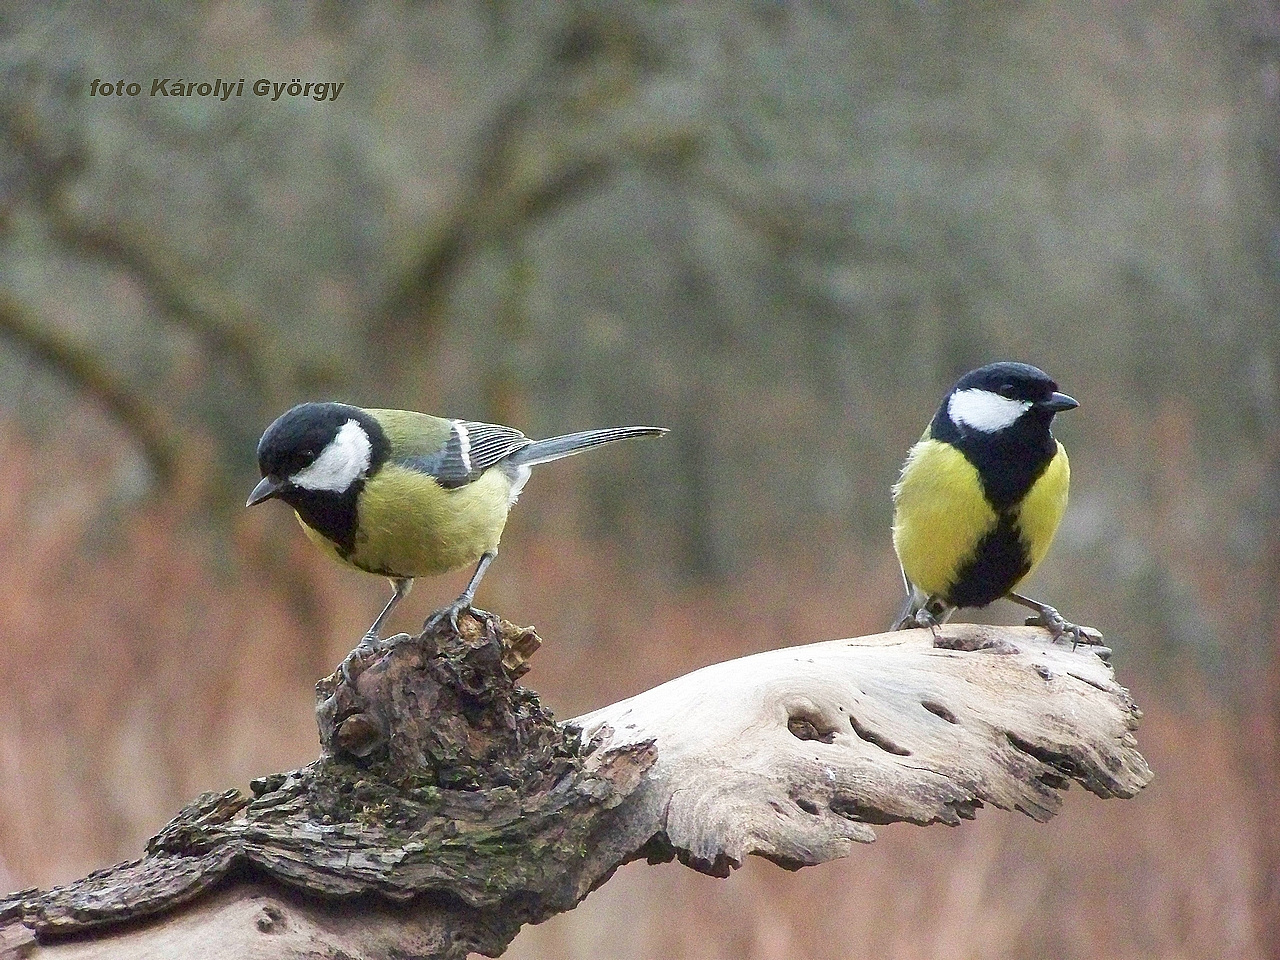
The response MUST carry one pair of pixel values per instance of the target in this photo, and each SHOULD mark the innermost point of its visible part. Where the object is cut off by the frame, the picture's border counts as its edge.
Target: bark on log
(447, 808)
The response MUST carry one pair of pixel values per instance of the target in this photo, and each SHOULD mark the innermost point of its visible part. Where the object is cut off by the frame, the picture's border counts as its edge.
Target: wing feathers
(491, 442)
(469, 450)
(472, 447)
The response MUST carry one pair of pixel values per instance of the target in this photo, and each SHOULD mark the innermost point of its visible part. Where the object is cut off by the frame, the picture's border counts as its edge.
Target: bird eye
(1006, 391)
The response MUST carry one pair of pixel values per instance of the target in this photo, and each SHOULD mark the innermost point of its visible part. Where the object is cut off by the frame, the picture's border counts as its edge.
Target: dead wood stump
(448, 808)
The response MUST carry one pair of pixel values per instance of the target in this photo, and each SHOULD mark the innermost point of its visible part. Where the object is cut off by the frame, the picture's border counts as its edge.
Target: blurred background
(781, 229)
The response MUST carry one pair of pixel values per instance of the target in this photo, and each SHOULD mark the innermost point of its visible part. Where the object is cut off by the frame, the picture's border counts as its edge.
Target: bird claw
(356, 656)
(1060, 628)
(370, 645)
(922, 618)
(449, 614)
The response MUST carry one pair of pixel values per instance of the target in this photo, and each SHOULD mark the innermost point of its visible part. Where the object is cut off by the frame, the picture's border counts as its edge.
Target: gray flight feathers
(489, 443)
(541, 451)
(473, 447)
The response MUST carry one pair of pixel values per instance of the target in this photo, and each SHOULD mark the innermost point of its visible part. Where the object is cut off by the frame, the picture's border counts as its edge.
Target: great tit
(980, 497)
(404, 494)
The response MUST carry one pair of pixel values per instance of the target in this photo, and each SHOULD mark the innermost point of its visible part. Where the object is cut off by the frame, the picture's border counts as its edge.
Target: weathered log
(448, 808)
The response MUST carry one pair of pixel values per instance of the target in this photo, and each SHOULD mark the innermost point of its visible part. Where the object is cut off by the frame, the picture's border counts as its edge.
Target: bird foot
(1062, 629)
(922, 618)
(370, 646)
(449, 614)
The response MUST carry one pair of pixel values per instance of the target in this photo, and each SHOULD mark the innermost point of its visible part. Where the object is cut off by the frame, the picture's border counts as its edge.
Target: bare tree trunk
(447, 808)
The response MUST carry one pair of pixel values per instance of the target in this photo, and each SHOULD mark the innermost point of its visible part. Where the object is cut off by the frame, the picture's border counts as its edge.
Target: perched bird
(981, 495)
(405, 494)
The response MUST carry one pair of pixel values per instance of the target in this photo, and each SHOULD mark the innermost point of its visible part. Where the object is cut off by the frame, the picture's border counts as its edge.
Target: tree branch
(447, 808)
(527, 162)
(792, 754)
(160, 442)
(182, 296)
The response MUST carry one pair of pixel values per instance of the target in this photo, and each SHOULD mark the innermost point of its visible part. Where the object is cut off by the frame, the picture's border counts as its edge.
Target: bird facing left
(404, 494)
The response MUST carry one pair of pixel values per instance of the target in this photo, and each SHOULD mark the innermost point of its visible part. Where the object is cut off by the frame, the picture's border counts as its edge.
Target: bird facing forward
(404, 494)
(981, 495)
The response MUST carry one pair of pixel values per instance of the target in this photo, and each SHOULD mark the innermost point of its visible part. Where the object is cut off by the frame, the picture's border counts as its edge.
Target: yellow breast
(410, 526)
(940, 514)
(1043, 506)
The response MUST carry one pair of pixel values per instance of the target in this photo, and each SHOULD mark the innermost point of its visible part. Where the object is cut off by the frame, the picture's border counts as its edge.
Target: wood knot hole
(359, 735)
(877, 739)
(810, 726)
(938, 710)
(270, 919)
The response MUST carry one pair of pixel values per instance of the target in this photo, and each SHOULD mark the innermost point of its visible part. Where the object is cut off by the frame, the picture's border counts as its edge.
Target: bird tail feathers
(541, 451)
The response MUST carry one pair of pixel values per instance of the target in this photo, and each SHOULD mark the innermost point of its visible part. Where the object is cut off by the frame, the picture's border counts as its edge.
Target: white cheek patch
(984, 410)
(344, 461)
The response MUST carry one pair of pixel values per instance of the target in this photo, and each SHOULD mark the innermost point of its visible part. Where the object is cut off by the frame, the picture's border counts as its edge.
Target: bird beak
(1059, 402)
(265, 490)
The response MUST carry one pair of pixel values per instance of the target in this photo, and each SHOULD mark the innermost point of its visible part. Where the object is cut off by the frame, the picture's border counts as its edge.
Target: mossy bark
(441, 780)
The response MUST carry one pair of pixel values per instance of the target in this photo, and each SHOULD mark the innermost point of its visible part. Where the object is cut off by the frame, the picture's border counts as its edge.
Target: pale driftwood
(448, 809)
(793, 754)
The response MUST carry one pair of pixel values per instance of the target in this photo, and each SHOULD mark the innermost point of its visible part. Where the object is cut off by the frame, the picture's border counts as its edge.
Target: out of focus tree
(780, 228)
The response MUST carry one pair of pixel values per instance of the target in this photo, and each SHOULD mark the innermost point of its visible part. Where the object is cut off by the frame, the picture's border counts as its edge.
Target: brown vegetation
(148, 701)
(780, 230)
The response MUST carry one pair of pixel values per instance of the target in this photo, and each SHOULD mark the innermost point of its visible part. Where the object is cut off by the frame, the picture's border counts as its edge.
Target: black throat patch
(335, 515)
(1009, 461)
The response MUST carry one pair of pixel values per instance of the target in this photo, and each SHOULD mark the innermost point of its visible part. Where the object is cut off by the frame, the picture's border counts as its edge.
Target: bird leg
(449, 614)
(930, 615)
(371, 642)
(400, 587)
(1058, 627)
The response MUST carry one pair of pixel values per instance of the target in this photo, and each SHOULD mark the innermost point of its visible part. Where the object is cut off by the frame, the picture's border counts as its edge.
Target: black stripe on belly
(999, 562)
